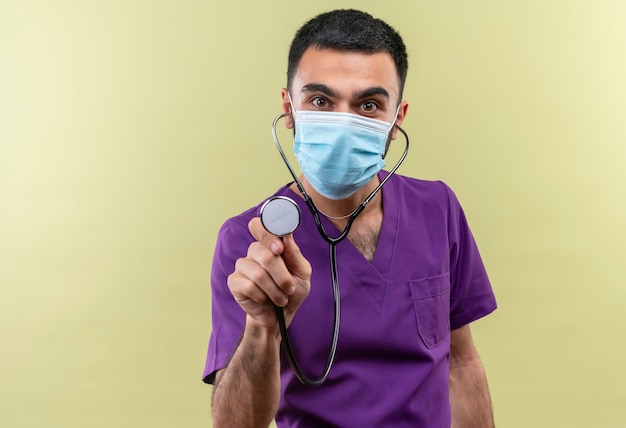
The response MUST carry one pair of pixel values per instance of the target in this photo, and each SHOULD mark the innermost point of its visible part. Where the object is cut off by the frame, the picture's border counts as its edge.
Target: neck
(341, 209)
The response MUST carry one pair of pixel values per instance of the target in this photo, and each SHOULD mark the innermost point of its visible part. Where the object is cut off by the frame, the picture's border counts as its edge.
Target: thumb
(295, 261)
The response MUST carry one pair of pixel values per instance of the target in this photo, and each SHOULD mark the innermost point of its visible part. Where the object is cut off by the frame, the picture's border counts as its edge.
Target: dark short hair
(348, 30)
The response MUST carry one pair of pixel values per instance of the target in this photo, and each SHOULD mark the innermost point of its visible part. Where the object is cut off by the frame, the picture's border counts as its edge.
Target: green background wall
(129, 130)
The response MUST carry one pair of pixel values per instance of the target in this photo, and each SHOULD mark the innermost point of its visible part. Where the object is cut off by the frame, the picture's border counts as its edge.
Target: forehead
(346, 71)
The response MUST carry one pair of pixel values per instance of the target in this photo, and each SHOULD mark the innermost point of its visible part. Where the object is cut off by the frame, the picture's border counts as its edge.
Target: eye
(369, 107)
(319, 102)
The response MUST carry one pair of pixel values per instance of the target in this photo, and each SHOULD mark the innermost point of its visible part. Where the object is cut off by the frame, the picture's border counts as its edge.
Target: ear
(286, 105)
(404, 106)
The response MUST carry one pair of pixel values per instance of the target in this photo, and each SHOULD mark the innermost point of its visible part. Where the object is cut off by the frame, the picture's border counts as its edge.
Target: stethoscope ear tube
(280, 215)
(272, 217)
(288, 349)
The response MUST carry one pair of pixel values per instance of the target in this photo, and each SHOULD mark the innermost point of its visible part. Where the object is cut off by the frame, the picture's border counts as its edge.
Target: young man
(410, 273)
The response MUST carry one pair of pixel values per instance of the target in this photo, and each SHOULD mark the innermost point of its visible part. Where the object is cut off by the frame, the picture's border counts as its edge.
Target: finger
(273, 242)
(251, 282)
(294, 260)
(273, 272)
(244, 290)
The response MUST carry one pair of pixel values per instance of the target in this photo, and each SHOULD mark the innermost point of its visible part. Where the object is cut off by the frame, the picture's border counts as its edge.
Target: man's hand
(274, 272)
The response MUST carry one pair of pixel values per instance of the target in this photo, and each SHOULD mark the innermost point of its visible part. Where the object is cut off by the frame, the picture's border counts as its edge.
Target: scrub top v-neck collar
(347, 253)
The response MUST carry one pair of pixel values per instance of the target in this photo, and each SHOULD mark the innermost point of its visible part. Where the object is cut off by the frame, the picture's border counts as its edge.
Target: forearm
(469, 396)
(247, 391)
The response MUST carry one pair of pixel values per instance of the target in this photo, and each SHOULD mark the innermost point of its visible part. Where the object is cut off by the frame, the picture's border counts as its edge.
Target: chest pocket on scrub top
(431, 301)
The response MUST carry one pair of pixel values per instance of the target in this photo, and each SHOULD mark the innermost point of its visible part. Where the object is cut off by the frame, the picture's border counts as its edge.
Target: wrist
(260, 333)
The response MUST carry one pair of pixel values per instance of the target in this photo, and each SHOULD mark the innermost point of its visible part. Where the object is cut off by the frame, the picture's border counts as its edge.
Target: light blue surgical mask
(339, 152)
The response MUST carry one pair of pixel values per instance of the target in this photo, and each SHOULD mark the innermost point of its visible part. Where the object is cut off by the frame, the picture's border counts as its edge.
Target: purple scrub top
(391, 367)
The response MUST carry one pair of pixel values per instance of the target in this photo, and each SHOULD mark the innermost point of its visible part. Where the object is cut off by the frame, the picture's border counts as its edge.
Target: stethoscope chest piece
(280, 215)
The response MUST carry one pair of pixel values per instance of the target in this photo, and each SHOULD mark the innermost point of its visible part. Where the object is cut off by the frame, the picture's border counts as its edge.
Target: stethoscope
(280, 215)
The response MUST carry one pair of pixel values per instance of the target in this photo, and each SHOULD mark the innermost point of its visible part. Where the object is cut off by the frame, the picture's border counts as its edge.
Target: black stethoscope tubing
(332, 241)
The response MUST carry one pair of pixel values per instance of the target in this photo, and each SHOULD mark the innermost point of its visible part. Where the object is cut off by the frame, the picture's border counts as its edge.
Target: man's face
(344, 81)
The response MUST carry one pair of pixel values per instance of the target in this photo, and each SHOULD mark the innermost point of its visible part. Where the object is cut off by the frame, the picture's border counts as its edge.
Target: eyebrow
(369, 92)
(320, 87)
